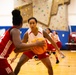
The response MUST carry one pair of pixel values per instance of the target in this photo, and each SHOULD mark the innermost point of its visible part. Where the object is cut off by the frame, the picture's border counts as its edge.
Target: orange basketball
(39, 50)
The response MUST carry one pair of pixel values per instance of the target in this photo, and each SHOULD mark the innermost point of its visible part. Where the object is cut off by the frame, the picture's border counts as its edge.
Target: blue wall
(73, 28)
(23, 30)
(62, 34)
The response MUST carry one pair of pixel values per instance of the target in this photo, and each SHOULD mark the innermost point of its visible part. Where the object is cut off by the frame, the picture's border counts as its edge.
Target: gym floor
(66, 66)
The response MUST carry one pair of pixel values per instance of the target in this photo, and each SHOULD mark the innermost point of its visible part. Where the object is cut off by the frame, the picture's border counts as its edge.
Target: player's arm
(53, 37)
(50, 39)
(25, 39)
(17, 39)
(15, 33)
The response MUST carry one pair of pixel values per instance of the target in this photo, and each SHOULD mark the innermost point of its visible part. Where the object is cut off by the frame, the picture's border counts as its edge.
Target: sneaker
(49, 53)
(36, 58)
(62, 56)
(57, 61)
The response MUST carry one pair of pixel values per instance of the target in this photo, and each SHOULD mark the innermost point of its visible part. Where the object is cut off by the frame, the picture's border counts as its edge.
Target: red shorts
(30, 54)
(59, 44)
(50, 47)
(5, 67)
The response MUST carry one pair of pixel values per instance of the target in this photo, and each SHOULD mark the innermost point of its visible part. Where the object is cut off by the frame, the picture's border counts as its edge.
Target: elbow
(18, 45)
(16, 50)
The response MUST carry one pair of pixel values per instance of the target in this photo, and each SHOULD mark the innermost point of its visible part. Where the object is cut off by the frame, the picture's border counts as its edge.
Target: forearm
(22, 50)
(25, 45)
(53, 43)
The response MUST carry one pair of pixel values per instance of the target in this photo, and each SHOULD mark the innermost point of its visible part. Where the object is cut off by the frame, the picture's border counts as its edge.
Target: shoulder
(29, 30)
(15, 31)
(50, 34)
(40, 29)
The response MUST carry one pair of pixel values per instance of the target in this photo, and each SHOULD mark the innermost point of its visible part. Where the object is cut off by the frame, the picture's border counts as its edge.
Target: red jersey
(6, 44)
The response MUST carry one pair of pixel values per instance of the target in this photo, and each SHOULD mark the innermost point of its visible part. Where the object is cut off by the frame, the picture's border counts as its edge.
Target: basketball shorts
(30, 54)
(50, 47)
(5, 67)
(59, 44)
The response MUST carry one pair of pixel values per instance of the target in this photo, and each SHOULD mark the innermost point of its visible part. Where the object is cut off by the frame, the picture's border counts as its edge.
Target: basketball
(39, 50)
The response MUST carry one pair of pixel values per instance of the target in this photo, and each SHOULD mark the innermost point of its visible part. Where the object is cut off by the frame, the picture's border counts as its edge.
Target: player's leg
(55, 54)
(22, 60)
(12, 73)
(47, 63)
(59, 44)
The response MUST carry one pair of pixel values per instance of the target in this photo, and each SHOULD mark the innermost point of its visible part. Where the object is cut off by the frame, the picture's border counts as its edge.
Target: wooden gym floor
(66, 66)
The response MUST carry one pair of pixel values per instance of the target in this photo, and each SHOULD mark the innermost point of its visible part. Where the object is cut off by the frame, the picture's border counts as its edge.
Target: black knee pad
(54, 52)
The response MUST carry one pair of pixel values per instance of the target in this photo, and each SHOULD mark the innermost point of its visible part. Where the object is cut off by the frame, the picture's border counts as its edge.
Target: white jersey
(56, 38)
(32, 37)
(50, 34)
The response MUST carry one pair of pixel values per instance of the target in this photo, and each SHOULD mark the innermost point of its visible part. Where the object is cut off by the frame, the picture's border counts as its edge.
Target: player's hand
(12, 60)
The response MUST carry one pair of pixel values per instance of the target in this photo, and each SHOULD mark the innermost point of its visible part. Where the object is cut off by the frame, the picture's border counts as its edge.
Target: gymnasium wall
(50, 13)
(62, 34)
(6, 6)
(4, 28)
(72, 13)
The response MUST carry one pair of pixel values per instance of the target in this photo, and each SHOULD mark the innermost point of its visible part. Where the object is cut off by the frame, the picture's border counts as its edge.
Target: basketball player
(50, 47)
(58, 42)
(35, 33)
(11, 39)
